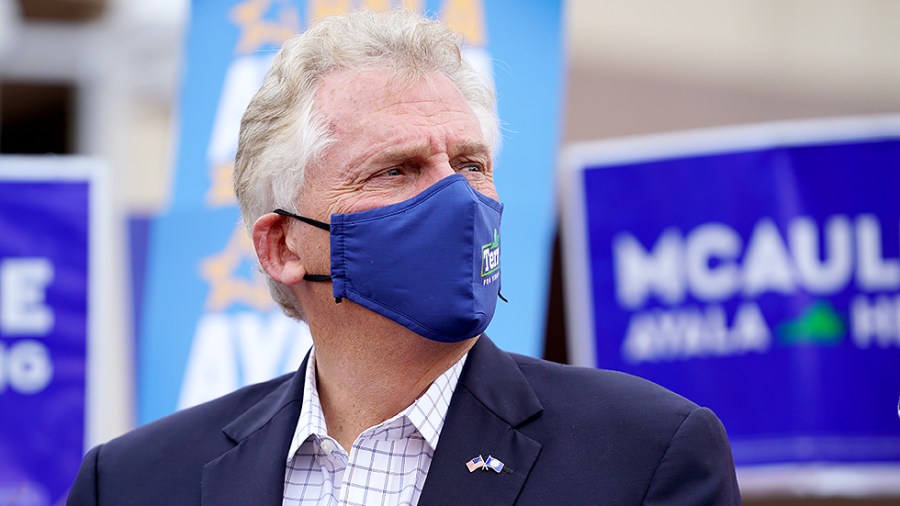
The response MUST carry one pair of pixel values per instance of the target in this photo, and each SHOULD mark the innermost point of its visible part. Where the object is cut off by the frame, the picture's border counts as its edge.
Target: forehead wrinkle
(470, 147)
(402, 118)
(417, 150)
(394, 98)
(395, 143)
(391, 153)
(395, 104)
(422, 148)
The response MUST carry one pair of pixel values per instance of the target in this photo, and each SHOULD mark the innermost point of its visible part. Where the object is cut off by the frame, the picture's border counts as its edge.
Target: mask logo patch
(490, 260)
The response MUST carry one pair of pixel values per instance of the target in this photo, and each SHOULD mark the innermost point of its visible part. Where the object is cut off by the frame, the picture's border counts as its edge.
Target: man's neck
(364, 380)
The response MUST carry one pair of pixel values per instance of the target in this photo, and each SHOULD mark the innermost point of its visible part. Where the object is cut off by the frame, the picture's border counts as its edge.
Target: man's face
(391, 141)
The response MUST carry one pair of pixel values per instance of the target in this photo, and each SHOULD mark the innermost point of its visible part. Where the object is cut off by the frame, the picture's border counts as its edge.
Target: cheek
(359, 202)
(486, 188)
(313, 247)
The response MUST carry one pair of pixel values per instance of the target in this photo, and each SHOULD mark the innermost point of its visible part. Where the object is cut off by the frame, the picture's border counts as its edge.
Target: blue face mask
(430, 263)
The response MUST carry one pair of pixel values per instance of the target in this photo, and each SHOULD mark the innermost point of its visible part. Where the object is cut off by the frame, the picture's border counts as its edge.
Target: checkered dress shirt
(387, 463)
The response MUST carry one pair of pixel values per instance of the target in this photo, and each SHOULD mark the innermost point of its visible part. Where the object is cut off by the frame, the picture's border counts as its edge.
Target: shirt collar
(311, 420)
(427, 413)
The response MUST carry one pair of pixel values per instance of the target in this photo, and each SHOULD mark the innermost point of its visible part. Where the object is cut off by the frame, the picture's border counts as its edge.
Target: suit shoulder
(201, 422)
(165, 459)
(649, 441)
(587, 390)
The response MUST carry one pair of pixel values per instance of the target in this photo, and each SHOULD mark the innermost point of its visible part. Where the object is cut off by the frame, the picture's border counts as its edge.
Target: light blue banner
(209, 325)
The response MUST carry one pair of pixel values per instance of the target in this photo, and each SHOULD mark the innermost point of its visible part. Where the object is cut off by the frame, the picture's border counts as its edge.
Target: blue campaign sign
(755, 270)
(45, 212)
(208, 323)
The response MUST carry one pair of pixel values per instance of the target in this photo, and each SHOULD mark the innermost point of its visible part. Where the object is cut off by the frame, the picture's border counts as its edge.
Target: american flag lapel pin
(475, 464)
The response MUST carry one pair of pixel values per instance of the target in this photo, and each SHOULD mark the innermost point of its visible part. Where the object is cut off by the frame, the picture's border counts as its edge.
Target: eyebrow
(424, 151)
(471, 147)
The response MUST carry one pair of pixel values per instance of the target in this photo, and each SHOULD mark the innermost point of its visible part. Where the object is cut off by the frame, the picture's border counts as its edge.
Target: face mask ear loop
(309, 221)
(502, 297)
(318, 224)
(322, 277)
(317, 277)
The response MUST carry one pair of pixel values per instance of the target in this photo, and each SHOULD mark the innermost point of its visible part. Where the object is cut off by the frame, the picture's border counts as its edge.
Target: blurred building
(94, 77)
(98, 78)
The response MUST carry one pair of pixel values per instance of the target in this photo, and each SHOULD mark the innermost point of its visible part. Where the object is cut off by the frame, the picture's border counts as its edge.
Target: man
(364, 176)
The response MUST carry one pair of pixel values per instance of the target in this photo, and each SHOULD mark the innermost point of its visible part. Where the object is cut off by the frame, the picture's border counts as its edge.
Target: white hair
(281, 131)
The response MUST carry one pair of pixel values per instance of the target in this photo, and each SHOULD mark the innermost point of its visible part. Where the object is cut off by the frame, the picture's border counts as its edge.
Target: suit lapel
(491, 400)
(253, 471)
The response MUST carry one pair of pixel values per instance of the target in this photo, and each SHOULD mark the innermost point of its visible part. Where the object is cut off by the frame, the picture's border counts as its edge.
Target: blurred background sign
(46, 211)
(756, 271)
(208, 325)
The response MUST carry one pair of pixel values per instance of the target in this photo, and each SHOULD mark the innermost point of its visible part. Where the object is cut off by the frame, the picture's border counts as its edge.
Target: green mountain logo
(490, 256)
(818, 324)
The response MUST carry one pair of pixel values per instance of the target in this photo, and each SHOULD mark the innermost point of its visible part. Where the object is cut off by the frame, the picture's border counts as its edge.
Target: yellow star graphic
(225, 287)
(318, 9)
(466, 17)
(220, 192)
(257, 31)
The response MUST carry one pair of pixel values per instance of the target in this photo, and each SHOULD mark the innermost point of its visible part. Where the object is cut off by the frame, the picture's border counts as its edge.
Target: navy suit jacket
(568, 435)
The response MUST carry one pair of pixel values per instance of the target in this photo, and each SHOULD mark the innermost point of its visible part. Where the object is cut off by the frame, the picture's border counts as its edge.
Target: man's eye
(470, 167)
(393, 172)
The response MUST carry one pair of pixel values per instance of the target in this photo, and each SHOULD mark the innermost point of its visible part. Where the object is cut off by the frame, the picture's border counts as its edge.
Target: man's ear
(276, 256)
